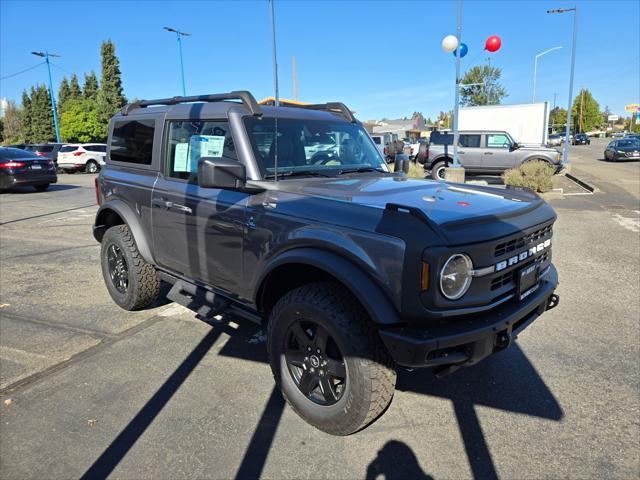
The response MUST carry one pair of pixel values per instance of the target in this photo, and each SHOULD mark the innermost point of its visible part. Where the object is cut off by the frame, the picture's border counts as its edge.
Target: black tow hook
(503, 340)
(553, 301)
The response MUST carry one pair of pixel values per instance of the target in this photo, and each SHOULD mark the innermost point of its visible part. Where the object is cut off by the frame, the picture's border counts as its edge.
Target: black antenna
(275, 81)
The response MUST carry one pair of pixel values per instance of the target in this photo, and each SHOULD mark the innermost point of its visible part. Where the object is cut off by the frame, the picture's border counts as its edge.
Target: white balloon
(449, 43)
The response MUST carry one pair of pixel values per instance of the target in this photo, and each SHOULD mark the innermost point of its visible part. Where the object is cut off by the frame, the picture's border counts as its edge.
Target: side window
(132, 141)
(469, 141)
(376, 140)
(189, 140)
(498, 140)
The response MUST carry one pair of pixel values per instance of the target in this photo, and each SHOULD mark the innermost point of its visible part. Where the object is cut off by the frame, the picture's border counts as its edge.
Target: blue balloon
(463, 50)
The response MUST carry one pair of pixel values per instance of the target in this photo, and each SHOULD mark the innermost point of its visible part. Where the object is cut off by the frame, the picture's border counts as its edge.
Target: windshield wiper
(299, 173)
(361, 170)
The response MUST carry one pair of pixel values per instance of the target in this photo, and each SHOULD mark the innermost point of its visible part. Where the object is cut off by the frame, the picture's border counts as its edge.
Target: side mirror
(218, 172)
(514, 146)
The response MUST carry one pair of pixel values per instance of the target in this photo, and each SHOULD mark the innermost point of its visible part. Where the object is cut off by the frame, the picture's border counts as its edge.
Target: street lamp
(179, 36)
(565, 160)
(46, 56)
(535, 68)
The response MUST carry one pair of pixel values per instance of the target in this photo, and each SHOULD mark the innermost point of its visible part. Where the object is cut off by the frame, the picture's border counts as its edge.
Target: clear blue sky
(381, 58)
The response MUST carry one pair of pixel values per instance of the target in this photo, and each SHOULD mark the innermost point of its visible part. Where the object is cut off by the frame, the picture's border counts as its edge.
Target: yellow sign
(632, 107)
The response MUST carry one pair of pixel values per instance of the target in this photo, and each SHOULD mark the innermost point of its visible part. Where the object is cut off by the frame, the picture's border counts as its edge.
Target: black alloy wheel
(118, 270)
(315, 362)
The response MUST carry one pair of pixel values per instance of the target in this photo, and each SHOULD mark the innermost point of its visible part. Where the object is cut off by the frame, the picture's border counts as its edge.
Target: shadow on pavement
(396, 461)
(55, 187)
(506, 381)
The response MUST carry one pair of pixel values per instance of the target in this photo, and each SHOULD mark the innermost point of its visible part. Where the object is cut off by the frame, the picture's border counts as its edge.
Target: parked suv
(47, 150)
(352, 270)
(88, 157)
(483, 152)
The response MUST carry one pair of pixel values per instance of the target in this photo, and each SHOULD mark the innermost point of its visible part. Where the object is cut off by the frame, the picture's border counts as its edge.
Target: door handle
(460, 151)
(488, 153)
(182, 208)
(159, 202)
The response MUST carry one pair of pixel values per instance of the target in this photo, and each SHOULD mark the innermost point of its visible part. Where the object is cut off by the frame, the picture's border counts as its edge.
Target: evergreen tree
(41, 116)
(26, 116)
(75, 93)
(90, 88)
(63, 93)
(111, 97)
(489, 91)
(585, 113)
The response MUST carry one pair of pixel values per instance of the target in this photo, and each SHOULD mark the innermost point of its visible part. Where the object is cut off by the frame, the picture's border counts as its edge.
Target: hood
(443, 203)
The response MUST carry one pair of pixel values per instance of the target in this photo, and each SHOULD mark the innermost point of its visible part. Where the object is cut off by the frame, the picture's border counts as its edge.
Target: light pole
(565, 160)
(179, 36)
(46, 56)
(535, 68)
(456, 107)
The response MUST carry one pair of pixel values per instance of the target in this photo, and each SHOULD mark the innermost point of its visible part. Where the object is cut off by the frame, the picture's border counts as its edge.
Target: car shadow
(506, 381)
(55, 187)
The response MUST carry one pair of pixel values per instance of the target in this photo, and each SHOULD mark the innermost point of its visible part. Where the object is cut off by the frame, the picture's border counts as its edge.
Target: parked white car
(87, 157)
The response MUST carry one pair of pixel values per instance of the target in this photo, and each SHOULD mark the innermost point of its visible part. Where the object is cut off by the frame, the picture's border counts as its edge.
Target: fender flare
(367, 292)
(132, 220)
(441, 158)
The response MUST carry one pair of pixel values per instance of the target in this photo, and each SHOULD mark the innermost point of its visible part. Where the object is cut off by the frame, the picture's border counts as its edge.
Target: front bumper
(465, 341)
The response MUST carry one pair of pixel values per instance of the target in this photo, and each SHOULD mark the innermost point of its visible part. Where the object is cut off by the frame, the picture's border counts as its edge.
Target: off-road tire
(371, 375)
(42, 187)
(143, 285)
(435, 168)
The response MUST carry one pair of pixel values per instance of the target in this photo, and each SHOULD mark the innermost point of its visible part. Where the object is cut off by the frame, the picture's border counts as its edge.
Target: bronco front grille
(519, 243)
(509, 277)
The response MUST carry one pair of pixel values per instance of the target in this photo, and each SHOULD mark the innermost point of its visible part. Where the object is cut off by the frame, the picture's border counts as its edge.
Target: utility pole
(46, 56)
(553, 122)
(565, 158)
(295, 86)
(581, 109)
(179, 36)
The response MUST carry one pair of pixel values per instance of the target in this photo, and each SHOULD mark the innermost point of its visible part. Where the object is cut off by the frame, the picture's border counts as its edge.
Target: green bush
(537, 175)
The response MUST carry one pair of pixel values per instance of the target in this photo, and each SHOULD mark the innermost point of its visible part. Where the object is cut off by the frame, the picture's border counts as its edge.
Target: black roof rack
(335, 107)
(244, 96)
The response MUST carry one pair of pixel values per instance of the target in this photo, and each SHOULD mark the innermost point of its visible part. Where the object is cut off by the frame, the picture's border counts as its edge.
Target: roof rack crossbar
(244, 96)
(335, 107)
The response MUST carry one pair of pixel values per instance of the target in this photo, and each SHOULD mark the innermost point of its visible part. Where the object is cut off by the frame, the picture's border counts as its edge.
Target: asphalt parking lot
(90, 390)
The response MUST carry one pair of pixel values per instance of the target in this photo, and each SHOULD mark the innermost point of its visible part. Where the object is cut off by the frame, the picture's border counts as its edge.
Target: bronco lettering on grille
(523, 255)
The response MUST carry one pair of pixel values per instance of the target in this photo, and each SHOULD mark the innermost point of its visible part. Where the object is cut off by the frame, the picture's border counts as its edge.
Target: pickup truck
(487, 152)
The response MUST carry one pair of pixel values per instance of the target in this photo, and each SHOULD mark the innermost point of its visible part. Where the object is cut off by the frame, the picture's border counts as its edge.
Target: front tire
(130, 280)
(437, 171)
(327, 359)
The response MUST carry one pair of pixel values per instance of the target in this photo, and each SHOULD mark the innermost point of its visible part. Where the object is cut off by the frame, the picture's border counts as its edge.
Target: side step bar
(205, 302)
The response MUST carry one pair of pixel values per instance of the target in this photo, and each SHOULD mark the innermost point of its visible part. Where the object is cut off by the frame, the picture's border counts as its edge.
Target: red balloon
(493, 43)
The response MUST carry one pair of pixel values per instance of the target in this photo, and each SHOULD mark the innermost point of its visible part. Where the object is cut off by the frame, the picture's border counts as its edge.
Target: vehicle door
(198, 232)
(497, 154)
(469, 151)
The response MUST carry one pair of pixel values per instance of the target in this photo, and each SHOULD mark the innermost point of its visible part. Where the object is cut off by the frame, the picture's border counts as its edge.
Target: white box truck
(527, 123)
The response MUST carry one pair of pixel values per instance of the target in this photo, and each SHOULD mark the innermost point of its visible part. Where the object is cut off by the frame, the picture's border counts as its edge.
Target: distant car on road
(581, 139)
(617, 134)
(625, 149)
(47, 150)
(87, 157)
(23, 168)
(555, 140)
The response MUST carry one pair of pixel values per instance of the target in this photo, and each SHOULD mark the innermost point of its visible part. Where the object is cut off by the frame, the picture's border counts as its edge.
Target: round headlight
(455, 276)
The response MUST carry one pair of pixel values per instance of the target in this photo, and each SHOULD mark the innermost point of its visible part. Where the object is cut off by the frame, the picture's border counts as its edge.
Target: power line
(22, 71)
(60, 68)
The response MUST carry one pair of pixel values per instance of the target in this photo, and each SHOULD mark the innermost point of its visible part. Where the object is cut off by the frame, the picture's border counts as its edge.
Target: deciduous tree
(80, 122)
(489, 90)
(13, 127)
(585, 113)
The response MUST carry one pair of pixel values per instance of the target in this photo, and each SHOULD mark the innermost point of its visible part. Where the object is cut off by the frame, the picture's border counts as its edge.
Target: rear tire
(130, 280)
(437, 171)
(41, 188)
(354, 378)
(91, 166)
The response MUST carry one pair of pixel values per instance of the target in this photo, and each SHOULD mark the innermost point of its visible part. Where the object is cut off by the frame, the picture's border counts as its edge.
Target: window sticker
(204, 146)
(180, 163)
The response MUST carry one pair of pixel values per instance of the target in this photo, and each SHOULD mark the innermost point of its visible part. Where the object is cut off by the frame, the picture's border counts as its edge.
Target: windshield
(629, 143)
(314, 146)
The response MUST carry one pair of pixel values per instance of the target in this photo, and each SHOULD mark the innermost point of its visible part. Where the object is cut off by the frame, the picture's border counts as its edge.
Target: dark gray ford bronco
(289, 217)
